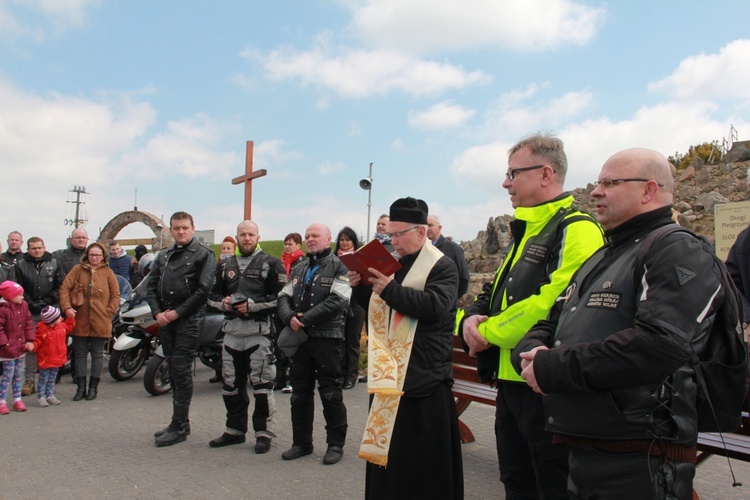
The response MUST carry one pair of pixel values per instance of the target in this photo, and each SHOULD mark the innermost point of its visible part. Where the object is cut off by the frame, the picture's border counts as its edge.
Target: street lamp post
(366, 184)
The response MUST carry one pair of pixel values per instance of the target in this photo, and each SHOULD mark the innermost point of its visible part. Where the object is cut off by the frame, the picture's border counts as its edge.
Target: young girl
(51, 352)
(16, 338)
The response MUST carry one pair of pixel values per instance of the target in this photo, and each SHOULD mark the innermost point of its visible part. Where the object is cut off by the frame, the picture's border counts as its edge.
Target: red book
(374, 255)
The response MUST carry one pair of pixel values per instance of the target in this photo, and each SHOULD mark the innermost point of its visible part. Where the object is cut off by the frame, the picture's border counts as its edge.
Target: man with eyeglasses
(411, 316)
(39, 273)
(613, 356)
(551, 239)
(314, 301)
(69, 257)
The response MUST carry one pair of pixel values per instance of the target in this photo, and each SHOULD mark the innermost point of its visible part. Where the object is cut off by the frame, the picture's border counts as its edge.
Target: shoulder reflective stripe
(341, 288)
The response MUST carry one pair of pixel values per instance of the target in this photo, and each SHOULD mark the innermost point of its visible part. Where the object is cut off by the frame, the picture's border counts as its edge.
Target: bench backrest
(464, 366)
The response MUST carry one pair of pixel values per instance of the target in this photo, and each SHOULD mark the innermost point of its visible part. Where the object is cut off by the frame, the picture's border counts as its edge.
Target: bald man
(613, 357)
(246, 289)
(315, 299)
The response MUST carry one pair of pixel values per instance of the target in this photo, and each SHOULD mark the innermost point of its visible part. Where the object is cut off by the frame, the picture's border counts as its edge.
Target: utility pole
(77, 221)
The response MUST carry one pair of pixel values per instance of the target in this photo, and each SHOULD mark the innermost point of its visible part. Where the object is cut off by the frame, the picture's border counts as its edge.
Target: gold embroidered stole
(391, 336)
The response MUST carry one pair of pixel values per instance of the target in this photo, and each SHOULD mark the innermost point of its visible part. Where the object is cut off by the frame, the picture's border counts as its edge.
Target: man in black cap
(411, 316)
(315, 300)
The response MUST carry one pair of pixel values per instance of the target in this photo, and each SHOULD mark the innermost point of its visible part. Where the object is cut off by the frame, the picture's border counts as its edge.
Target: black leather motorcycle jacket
(41, 279)
(322, 296)
(617, 368)
(261, 281)
(181, 279)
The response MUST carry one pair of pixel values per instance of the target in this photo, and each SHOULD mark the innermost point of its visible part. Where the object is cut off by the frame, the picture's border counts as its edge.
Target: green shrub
(704, 150)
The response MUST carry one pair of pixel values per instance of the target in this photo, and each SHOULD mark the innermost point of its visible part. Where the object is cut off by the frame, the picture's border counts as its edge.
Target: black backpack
(722, 369)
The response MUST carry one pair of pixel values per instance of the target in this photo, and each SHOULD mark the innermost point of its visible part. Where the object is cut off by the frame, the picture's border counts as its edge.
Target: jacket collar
(544, 211)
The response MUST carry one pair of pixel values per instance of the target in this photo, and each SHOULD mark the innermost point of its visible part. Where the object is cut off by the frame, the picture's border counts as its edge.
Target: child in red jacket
(16, 338)
(51, 352)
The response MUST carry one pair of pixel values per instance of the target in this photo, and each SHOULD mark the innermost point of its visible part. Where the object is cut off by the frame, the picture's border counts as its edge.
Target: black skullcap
(409, 210)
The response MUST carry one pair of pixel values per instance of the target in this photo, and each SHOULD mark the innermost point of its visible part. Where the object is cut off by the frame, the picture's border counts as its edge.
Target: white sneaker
(42, 402)
(287, 389)
(53, 400)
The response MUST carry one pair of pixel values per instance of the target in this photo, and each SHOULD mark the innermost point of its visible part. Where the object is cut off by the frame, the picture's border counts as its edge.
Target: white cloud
(273, 152)
(711, 76)
(422, 26)
(59, 137)
(440, 116)
(358, 73)
(187, 147)
(36, 19)
(513, 116)
(54, 141)
(398, 145)
(666, 127)
(331, 168)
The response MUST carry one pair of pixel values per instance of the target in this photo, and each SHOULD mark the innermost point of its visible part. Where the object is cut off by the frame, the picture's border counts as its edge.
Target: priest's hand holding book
(377, 279)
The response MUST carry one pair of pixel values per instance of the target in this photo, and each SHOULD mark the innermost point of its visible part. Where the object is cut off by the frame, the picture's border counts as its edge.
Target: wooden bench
(737, 443)
(467, 387)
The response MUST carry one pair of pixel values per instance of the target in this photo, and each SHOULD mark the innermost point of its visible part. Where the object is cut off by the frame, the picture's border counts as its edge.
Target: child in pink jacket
(16, 338)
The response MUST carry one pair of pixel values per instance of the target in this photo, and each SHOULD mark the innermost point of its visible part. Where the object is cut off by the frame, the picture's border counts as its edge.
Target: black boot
(177, 430)
(176, 433)
(93, 385)
(81, 392)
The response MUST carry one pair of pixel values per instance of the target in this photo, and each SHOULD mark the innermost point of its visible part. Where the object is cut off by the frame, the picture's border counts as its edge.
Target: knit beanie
(50, 314)
(9, 290)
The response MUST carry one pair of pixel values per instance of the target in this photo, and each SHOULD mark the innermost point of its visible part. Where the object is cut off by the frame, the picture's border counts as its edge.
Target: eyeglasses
(96, 255)
(511, 174)
(608, 183)
(399, 234)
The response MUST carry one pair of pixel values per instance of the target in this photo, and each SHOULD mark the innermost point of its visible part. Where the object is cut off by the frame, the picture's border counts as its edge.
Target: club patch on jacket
(604, 300)
(535, 254)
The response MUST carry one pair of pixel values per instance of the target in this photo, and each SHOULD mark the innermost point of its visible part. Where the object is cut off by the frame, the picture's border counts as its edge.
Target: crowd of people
(596, 396)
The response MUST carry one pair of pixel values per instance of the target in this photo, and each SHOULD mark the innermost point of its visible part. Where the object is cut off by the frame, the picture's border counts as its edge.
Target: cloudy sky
(161, 97)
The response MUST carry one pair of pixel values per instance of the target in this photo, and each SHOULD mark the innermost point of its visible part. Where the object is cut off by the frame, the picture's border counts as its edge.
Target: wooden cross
(247, 179)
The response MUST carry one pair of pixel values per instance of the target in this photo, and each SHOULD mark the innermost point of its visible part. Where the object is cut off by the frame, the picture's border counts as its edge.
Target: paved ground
(104, 448)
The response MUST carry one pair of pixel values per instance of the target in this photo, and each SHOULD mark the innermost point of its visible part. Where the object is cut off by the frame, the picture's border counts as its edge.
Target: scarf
(288, 258)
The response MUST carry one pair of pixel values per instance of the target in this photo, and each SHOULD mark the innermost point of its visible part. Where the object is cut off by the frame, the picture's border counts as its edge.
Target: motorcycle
(156, 379)
(136, 333)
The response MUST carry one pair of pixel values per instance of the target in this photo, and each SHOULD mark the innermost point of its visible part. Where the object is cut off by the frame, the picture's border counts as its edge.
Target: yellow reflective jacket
(535, 272)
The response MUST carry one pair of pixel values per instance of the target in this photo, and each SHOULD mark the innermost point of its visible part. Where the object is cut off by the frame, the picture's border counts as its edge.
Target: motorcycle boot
(93, 386)
(163, 431)
(81, 391)
(176, 432)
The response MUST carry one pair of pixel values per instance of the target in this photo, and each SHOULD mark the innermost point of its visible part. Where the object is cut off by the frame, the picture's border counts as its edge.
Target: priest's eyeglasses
(399, 234)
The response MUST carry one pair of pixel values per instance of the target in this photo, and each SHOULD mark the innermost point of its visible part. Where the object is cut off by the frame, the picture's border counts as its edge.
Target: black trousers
(597, 473)
(530, 465)
(352, 334)
(180, 340)
(318, 360)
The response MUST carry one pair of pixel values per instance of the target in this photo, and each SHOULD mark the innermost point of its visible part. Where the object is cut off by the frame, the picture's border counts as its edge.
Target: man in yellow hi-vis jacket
(551, 239)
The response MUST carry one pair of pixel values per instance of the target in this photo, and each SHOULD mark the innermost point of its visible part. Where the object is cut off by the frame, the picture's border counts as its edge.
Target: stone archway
(162, 238)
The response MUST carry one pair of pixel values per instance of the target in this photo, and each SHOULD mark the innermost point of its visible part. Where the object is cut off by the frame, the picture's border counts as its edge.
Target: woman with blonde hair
(90, 294)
